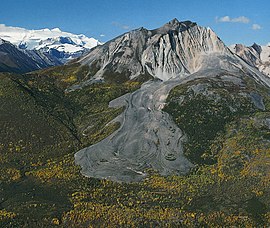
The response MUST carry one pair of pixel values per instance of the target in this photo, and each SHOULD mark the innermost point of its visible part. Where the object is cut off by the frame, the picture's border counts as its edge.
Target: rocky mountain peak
(239, 47)
(174, 21)
(257, 48)
(172, 50)
(174, 25)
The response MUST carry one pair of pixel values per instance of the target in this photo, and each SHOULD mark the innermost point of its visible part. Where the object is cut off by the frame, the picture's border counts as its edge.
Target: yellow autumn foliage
(6, 215)
(9, 174)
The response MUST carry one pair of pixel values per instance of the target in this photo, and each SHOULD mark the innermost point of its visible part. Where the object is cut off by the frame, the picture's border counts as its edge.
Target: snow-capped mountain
(61, 45)
(173, 49)
(12, 59)
(256, 55)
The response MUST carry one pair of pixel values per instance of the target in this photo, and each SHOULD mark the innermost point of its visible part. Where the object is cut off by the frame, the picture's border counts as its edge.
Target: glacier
(66, 45)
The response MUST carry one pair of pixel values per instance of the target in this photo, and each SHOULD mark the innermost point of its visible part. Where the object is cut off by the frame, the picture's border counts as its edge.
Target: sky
(234, 21)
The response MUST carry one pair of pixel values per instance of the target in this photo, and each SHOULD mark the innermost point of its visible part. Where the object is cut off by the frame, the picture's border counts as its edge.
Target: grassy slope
(41, 124)
(204, 114)
(41, 186)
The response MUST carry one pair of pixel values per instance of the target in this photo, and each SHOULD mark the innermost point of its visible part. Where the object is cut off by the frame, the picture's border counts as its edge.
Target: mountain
(193, 139)
(164, 53)
(177, 53)
(15, 60)
(256, 55)
(62, 46)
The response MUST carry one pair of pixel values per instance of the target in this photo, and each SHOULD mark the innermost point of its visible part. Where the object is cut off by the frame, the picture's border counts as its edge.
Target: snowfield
(67, 45)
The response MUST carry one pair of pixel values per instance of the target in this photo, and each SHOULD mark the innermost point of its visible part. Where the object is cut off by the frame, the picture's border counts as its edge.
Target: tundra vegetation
(42, 126)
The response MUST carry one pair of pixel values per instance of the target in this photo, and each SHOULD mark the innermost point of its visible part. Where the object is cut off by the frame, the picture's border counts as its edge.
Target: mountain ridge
(163, 52)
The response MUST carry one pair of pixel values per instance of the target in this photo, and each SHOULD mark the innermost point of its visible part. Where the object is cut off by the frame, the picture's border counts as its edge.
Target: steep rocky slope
(167, 52)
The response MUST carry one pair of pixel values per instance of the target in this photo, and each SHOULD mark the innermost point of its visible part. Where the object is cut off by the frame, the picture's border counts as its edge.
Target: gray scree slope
(147, 138)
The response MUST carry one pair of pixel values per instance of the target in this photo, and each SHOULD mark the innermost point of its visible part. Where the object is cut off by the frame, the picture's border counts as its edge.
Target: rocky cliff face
(255, 55)
(175, 48)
